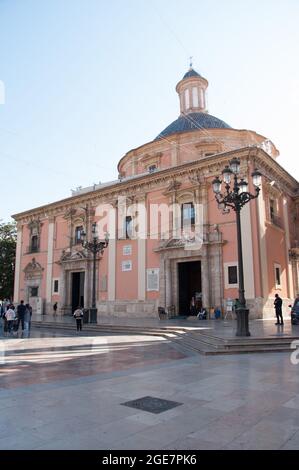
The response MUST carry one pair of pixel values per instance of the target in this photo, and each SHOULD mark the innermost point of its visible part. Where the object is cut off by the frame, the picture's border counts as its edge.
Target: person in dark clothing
(78, 314)
(278, 309)
(28, 315)
(21, 310)
(55, 309)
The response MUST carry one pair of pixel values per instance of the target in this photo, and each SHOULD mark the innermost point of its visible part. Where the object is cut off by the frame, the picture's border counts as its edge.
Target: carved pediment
(34, 226)
(73, 256)
(172, 243)
(33, 269)
(70, 213)
(173, 186)
(272, 189)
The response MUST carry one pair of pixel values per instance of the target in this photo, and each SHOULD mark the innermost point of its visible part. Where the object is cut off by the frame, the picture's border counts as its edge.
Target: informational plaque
(152, 278)
(126, 265)
(36, 304)
(127, 250)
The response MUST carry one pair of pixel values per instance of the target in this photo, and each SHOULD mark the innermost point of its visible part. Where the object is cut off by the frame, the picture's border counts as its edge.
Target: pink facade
(155, 267)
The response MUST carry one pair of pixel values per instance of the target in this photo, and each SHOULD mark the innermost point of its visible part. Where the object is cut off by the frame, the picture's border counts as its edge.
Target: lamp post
(94, 246)
(235, 196)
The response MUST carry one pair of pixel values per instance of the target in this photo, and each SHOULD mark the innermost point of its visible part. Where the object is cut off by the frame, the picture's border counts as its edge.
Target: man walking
(21, 310)
(278, 309)
(55, 309)
(78, 314)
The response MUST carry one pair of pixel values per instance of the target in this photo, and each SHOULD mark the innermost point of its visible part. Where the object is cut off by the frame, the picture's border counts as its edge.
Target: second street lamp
(94, 246)
(236, 197)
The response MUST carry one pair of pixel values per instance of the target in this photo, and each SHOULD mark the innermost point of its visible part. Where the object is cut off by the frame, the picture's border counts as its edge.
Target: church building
(150, 262)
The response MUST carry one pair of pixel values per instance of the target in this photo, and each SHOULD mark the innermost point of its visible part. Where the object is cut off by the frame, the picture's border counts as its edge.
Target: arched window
(128, 227)
(187, 101)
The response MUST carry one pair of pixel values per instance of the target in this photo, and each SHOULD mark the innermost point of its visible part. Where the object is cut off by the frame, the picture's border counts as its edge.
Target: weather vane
(191, 63)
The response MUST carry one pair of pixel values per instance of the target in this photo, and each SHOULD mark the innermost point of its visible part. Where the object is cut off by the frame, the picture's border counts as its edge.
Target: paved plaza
(63, 390)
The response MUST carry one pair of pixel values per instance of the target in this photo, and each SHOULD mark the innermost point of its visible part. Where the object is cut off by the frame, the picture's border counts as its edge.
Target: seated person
(202, 314)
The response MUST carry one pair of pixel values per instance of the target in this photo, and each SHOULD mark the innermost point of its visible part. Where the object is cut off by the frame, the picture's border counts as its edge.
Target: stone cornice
(206, 166)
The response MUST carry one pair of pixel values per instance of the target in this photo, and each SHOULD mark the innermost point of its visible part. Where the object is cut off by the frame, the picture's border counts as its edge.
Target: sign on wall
(36, 304)
(152, 277)
(126, 265)
(127, 250)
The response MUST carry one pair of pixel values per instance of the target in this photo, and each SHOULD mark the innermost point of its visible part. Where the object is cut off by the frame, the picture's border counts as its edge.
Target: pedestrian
(217, 313)
(10, 316)
(278, 309)
(21, 309)
(78, 314)
(55, 309)
(27, 318)
(5, 323)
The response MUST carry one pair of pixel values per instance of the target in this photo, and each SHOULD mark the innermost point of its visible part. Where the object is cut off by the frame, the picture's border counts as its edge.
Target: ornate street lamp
(95, 246)
(235, 196)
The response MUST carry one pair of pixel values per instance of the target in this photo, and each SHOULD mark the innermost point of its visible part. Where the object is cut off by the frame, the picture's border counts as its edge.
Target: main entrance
(78, 279)
(189, 284)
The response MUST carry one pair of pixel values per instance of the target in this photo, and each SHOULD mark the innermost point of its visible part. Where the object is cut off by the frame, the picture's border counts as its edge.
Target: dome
(193, 122)
(191, 73)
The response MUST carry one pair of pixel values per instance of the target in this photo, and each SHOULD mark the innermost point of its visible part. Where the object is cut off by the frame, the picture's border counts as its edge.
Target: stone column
(18, 264)
(216, 270)
(168, 283)
(87, 284)
(141, 268)
(261, 222)
(295, 274)
(176, 223)
(141, 245)
(174, 154)
(62, 290)
(162, 282)
(247, 250)
(51, 227)
(111, 269)
(205, 276)
(290, 283)
(112, 256)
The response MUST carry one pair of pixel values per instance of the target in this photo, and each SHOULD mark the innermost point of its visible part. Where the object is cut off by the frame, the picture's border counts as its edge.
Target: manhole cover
(152, 404)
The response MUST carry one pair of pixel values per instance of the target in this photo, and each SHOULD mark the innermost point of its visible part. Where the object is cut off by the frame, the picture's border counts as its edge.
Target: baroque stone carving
(67, 256)
(33, 270)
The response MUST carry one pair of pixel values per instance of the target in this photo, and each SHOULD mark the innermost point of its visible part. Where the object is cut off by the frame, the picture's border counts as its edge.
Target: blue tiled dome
(191, 73)
(193, 122)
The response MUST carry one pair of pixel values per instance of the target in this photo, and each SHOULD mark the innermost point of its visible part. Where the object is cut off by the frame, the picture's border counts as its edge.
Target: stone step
(119, 329)
(187, 340)
(253, 342)
(213, 339)
(203, 348)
